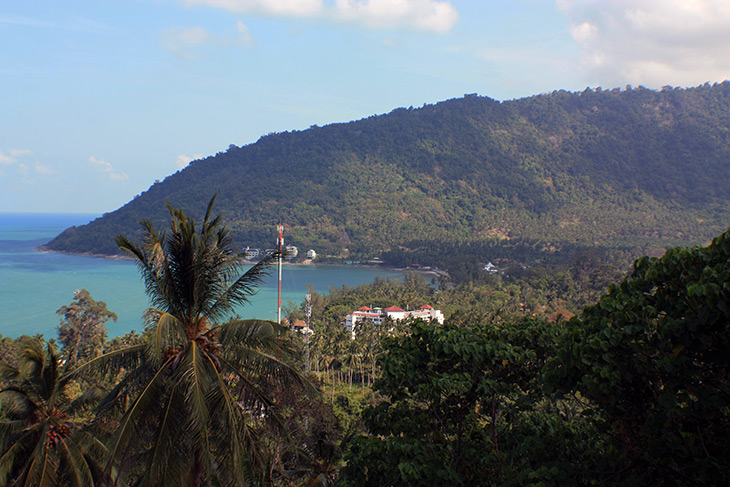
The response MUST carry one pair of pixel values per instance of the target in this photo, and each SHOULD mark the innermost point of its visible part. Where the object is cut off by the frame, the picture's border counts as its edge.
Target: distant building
(311, 254)
(377, 315)
(250, 253)
(491, 268)
(291, 251)
(300, 326)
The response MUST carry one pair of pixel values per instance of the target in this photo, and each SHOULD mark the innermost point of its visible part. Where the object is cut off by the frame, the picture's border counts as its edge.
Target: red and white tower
(280, 248)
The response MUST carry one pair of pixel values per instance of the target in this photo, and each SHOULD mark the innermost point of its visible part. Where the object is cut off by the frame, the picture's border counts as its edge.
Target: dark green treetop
(652, 354)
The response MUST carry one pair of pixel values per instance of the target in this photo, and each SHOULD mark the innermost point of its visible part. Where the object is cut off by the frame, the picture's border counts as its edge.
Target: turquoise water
(33, 285)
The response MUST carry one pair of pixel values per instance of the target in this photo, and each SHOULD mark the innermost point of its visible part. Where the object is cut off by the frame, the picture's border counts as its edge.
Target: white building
(250, 254)
(377, 315)
(491, 268)
(291, 251)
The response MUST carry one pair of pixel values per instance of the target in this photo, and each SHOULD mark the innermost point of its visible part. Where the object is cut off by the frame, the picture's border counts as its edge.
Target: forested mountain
(621, 168)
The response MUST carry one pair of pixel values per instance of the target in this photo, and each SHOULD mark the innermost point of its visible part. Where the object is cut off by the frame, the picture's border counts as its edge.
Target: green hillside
(622, 168)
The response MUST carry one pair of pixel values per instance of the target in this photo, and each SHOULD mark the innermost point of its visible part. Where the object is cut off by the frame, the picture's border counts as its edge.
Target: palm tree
(199, 386)
(42, 442)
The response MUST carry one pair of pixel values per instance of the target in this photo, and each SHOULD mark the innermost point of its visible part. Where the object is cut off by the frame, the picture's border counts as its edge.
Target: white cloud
(13, 155)
(180, 40)
(107, 169)
(583, 32)
(24, 173)
(116, 176)
(105, 166)
(284, 8)
(425, 15)
(651, 42)
(183, 160)
(22, 170)
(188, 41)
(245, 37)
(20, 152)
(43, 169)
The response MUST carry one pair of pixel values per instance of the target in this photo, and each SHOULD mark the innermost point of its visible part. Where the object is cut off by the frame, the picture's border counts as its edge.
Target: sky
(98, 99)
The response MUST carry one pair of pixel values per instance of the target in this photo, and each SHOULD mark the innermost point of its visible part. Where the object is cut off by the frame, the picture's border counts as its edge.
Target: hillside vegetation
(632, 168)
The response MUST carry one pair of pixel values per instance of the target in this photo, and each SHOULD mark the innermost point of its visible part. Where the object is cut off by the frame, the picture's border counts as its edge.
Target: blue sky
(98, 99)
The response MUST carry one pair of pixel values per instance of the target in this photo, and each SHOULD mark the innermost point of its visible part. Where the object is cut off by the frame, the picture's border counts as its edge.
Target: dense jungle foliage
(467, 179)
(559, 376)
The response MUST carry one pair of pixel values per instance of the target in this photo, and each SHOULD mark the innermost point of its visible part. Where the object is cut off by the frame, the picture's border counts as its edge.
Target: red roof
(425, 306)
(394, 308)
(364, 308)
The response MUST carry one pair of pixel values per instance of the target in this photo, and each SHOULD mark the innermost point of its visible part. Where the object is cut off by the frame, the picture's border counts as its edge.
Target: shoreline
(44, 250)
(426, 272)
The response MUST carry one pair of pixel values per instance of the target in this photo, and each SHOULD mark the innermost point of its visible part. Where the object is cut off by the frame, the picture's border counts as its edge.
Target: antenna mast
(280, 245)
(308, 330)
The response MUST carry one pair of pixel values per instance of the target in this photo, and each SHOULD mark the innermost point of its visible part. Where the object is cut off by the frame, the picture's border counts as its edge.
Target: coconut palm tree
(197, 389)
(42, 442)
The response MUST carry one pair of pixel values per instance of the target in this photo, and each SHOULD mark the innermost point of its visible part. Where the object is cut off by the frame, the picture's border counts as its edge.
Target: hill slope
(610, 168)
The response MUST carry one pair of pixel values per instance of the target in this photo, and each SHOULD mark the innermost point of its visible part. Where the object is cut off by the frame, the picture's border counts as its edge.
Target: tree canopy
(652, 354)
(82, 331)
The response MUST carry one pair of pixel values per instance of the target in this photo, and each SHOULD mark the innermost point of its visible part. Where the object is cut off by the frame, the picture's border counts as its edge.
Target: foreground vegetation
(556, 376)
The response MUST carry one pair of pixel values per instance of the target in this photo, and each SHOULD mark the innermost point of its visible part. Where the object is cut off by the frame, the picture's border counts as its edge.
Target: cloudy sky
(98, 99)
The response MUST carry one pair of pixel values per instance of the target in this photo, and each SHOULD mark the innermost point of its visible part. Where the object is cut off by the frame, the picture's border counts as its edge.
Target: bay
(33, 284)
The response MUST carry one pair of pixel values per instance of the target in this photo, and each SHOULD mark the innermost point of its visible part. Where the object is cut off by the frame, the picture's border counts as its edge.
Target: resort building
(377, 315)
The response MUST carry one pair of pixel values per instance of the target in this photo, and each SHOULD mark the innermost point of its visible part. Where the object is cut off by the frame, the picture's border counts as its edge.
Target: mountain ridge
(618, 168)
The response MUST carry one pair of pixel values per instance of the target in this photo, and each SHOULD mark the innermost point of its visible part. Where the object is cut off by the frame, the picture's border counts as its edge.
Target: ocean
(33, 285)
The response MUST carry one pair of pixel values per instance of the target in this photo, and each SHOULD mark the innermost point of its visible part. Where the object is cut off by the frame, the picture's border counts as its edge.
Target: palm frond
(129, 423)
(50, 381)
(196, 377)
(18, 401)
(242, 288)
(124, 390)
(8, 372)
(111, 362)
(257, 335)
(253, 397)
(86, 400)
(93, 449)
(151, 261)
(77, 471)
(248, 331)
(8, 430)
(166, 444)
(208, 210)
(41, 472)
(8, 461)
(169, 334)
(234, 433)
(255, 347)
(135, 251)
